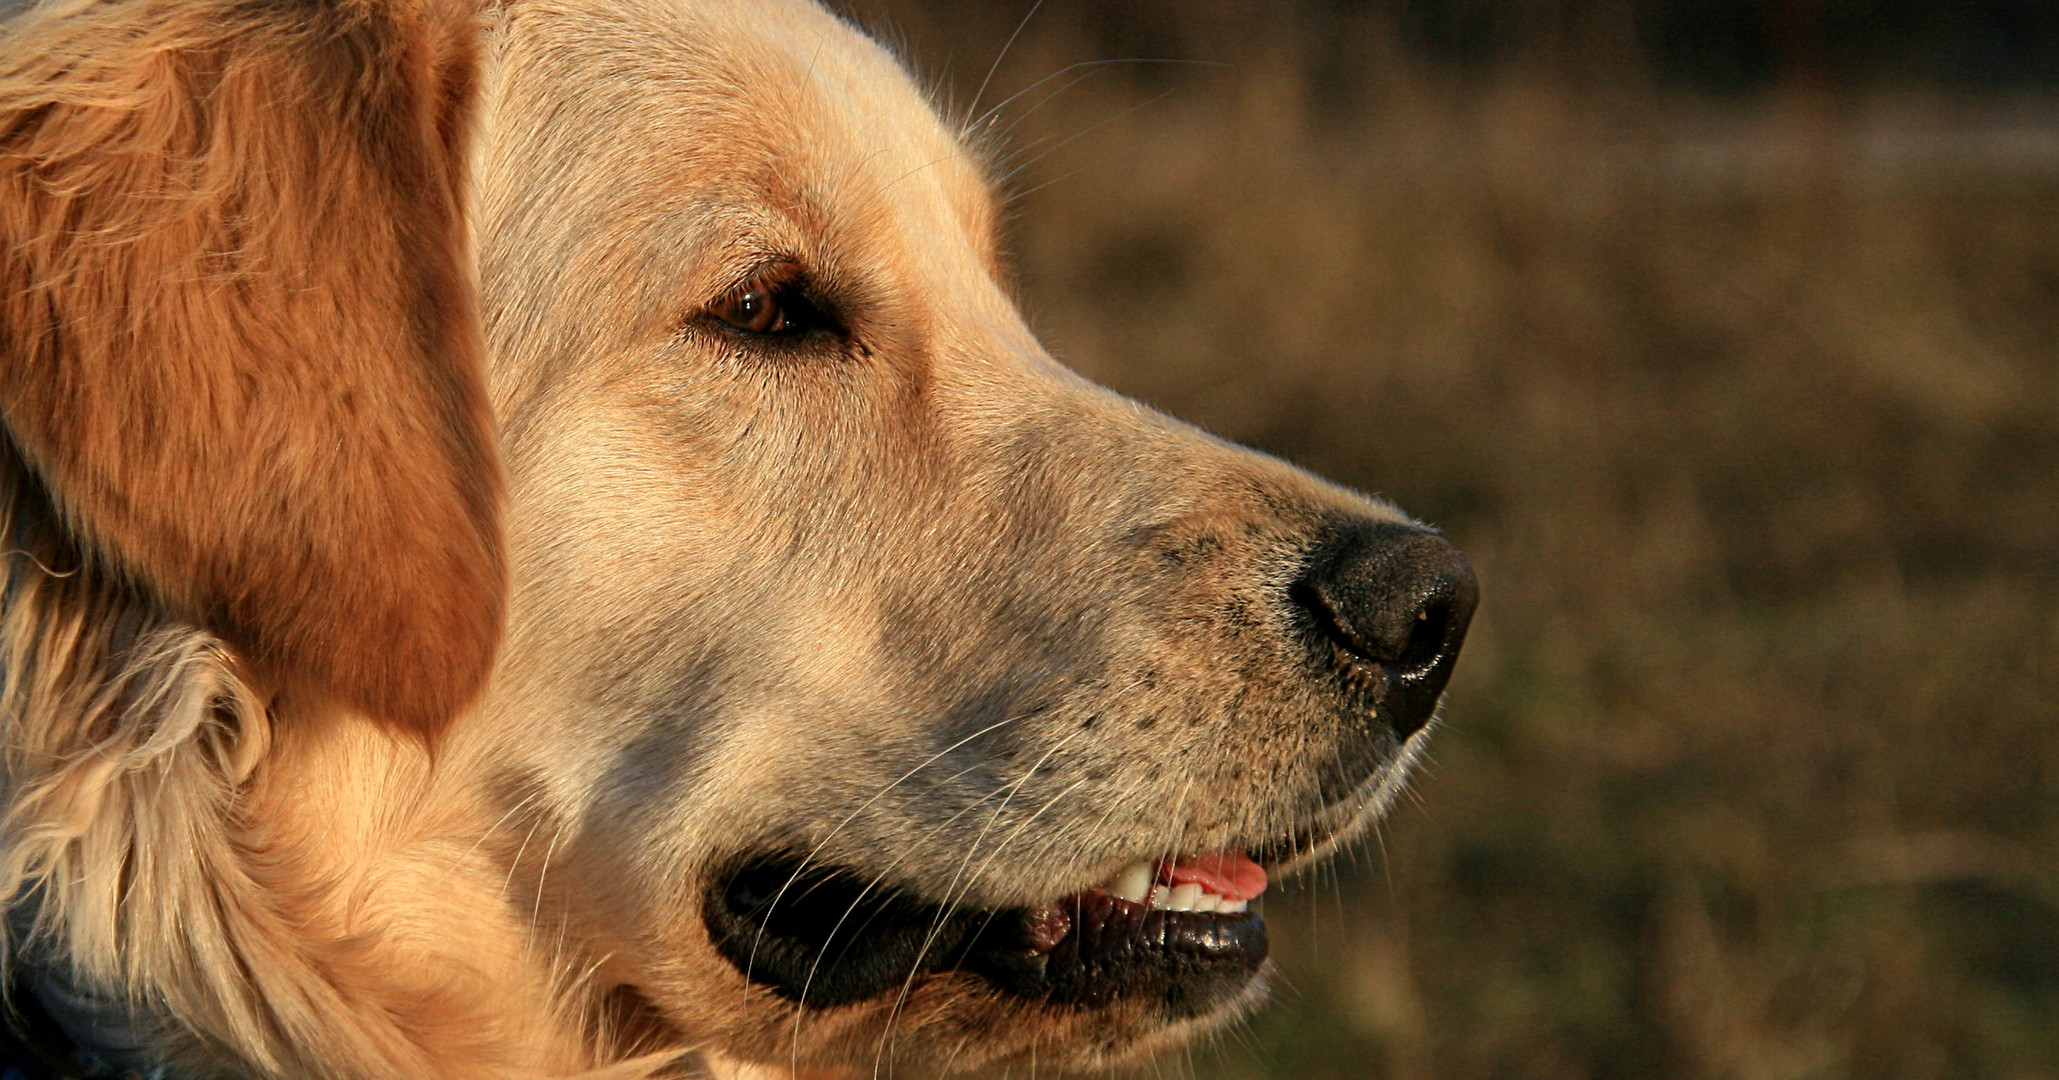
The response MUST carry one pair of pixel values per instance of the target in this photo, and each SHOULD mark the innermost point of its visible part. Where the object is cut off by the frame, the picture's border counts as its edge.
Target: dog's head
(870, 687)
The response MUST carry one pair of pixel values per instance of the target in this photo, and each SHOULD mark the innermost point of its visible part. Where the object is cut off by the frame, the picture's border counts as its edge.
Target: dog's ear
(239, 346)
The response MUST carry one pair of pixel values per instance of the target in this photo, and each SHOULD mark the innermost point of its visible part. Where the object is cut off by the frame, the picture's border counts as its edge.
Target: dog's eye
(771, 305)
(753, 309)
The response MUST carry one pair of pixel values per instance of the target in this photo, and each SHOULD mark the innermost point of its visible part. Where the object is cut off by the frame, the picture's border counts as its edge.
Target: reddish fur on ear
(238, 340)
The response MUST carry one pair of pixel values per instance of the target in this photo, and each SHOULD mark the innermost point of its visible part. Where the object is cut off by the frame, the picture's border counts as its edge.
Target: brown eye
(773, 305)
(754, 309)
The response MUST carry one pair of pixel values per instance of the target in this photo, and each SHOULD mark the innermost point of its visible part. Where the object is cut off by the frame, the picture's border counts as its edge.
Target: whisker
(1078, 855)
(484, 836)
(515, 863)
(853, 816)
(1081, 134)
(542, 873)
(987, 116)
(1003, 55)
(1174, 829)
(860, 164)
(1386, 859)
(1002, 135)
(1003, 845)
(1026, 193)
(960, 152)
(809, 982)
(1337, 896)
(952, 892)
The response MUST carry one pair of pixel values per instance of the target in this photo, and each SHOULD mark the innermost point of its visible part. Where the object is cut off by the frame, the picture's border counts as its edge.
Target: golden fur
(326, 758)
(234, 248)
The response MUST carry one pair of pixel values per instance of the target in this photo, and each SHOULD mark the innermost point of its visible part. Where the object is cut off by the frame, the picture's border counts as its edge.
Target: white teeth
(1136, 884)
(1133, 883)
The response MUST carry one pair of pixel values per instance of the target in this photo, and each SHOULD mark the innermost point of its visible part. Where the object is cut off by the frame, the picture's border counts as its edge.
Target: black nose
(1390, 604)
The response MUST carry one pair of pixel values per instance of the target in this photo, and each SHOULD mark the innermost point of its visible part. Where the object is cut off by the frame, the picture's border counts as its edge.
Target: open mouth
(1177, 933)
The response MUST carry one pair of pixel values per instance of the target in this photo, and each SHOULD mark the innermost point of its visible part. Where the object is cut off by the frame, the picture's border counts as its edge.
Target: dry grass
(1747, 411)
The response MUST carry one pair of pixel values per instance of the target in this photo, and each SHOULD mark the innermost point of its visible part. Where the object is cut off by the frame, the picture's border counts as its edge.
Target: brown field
(1747, 409)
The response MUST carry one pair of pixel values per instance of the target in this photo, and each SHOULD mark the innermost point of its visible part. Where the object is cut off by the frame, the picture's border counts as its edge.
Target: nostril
(1426, 640)
(1310, 599)
(1408, 649)
(1393, 598)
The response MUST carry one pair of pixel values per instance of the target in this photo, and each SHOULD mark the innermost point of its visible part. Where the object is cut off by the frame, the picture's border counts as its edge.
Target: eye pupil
(753, 309)
(777, 303)
(760, 313)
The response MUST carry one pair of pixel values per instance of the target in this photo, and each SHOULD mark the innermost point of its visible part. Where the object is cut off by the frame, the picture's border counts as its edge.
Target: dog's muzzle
(1382, 609)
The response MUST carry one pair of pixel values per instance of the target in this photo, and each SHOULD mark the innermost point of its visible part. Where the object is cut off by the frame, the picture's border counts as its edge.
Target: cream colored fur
(929, 607)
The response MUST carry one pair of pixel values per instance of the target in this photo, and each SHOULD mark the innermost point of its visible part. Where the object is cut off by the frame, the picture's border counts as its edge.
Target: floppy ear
(238, 342)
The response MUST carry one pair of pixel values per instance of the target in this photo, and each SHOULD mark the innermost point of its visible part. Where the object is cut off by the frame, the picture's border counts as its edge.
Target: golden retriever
(539, 544)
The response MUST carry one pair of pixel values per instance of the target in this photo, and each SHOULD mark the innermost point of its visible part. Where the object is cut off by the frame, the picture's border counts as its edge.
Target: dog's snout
(1392, 602)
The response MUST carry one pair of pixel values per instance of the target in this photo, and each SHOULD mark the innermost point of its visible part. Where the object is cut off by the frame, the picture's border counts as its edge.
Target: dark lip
(820, 937)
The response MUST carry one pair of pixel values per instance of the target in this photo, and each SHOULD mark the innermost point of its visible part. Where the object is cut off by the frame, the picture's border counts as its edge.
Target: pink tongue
(1229, 875)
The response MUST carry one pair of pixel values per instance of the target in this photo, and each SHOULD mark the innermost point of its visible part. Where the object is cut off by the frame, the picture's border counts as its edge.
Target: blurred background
(1724, 336)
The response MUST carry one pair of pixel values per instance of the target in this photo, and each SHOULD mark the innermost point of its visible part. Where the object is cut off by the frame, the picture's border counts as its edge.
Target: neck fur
(196, 889)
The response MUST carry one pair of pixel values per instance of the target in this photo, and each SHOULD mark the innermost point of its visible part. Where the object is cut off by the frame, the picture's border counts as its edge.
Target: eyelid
(769, 274)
